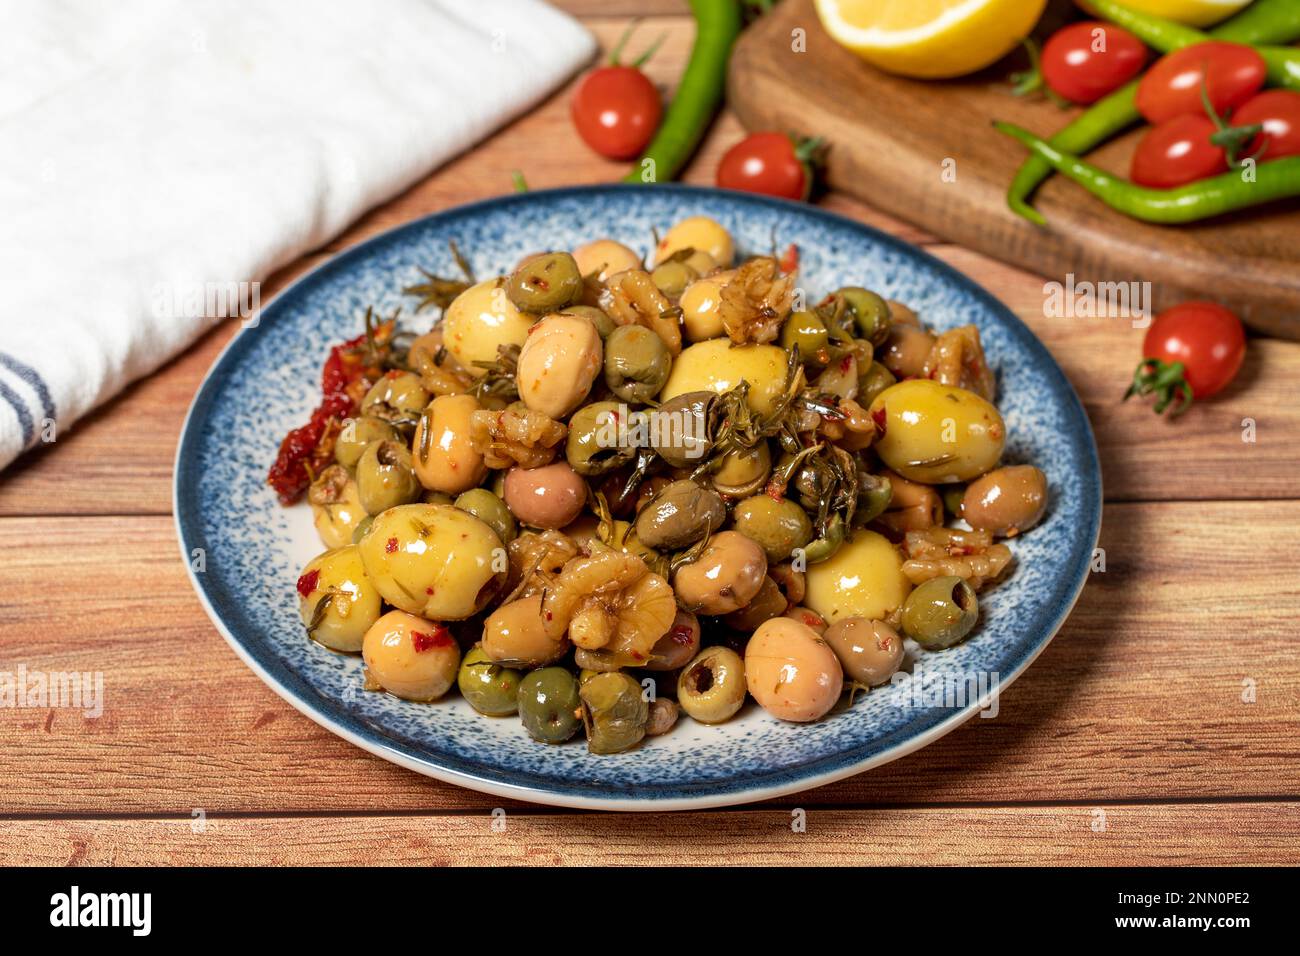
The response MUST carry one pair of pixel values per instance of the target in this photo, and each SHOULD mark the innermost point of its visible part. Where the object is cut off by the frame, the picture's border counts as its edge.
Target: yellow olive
(604, 258)
(717, 365)
(410, 657)
(935, 433)
(743, 471)
(1006, 501)
(478, 320)
(515, 633)
(558, 363)
(698, 233)
(444, 456)
(337, 601)
(870, 651)
(725, 577)
(434, 560)
(335, 506)
(791, 671)
(864, 578)
(701, 303)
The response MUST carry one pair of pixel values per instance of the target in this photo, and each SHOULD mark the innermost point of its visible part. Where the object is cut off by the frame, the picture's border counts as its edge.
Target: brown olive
(768, 603)
(679, 428)
(791, 671)
(726, 577)
(870, 651)
(912, 506)
(678, 646)
(680, 515)
(1006, 501)
(906, 349)
(548, 497)
(663, 716)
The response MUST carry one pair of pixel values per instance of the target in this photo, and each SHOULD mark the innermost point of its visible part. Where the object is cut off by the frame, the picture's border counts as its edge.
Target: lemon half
(930, 38)
(1196, 13)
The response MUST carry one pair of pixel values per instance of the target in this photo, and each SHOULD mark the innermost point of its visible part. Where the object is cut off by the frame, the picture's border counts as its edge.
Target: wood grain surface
(1170, 702)
(890, 137)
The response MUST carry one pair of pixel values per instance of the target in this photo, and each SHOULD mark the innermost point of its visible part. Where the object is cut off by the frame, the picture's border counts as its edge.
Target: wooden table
(1160, 726)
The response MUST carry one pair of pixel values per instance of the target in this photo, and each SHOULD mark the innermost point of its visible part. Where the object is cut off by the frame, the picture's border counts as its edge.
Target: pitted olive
(357, 434)
(614, 711)
(597, 444)
(386, 477)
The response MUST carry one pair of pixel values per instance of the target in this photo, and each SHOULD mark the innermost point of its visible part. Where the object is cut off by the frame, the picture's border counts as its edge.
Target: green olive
(386, 477)
(398, 398)
(952, 496)
(778, 526)
(808, 331)
(874, 495)
(489, 687)
(598, 317)
(357, 434)
(489, 509)
(615, 712)
(362, 528)
(545, 284)
(681, 514)
(830, 541)
(637, 363)
(673, 276)
(870, 313)
(680, 428)
(712, 687)
(744, 471)
(549, 705)
(940, 612)
(595, 445)
(872, 381)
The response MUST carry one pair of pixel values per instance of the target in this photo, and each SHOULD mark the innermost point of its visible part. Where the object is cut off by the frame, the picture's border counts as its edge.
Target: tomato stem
(1166, 380)
(651, 50)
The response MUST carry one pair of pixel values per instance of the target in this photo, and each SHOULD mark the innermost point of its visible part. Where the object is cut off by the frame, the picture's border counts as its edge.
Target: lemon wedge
(929, 38)
(1195, 13)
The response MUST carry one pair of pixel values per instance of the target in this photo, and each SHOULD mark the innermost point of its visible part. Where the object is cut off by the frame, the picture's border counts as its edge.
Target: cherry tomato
(768, 163)
(1085, 61)
(1205, 338)
(616, 110)
(1231, 72)
(1177, 152)
(1279, 113)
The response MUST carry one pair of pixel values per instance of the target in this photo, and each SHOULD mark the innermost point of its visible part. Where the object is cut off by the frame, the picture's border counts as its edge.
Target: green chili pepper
(717, 24)
(1265, 21)
(1278, 179)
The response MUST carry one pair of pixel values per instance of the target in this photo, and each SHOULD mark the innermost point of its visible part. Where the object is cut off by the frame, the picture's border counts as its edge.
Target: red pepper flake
(845, 363)
(422, 642)
(307, 583)
(393, 373)
(681, 634)
(428, 591)
(790, 260)
(638, 656)
(549, 615)
(391, 545)
(881, 420)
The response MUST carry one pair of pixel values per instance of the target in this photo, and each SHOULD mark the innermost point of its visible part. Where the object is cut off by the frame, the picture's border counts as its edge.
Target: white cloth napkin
(154, 154)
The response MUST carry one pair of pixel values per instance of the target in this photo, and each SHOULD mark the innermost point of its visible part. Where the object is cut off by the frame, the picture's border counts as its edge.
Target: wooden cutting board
(892, 140)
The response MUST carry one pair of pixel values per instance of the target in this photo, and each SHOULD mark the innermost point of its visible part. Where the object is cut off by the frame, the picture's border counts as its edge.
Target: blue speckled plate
(266, 382)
